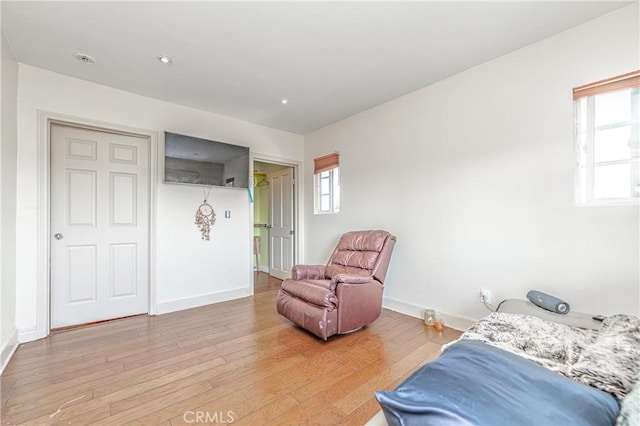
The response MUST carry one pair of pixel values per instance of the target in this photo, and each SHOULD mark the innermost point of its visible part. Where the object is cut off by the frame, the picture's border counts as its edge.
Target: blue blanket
(473, 383)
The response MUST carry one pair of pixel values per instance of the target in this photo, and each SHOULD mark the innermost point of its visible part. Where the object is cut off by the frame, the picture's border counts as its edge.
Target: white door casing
(281, 234)
(99, 225)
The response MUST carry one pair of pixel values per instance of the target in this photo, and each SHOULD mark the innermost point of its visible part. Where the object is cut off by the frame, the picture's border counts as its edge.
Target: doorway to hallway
(274, 236)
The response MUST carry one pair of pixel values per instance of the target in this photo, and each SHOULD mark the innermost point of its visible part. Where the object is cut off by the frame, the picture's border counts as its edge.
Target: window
(327, 183)
(607, 118)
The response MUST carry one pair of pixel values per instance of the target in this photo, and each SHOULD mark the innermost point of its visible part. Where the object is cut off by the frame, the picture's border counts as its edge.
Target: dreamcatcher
(205, 216)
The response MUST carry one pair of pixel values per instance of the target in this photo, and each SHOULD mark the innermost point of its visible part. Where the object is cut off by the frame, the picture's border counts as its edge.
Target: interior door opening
(274, 224)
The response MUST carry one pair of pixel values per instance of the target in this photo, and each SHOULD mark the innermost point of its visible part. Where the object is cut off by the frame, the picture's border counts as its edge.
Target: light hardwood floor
(264, 282)
(233, 362)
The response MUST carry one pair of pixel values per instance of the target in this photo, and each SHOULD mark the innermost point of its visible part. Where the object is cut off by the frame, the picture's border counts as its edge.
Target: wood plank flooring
(264, 282)
(233, 362)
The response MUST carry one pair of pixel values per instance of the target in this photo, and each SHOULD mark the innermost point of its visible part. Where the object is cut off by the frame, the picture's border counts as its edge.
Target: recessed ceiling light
(85, 59)
(165, 59)
(284, 101)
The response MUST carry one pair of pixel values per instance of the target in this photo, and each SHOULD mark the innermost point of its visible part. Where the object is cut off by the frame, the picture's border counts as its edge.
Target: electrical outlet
(485, 295)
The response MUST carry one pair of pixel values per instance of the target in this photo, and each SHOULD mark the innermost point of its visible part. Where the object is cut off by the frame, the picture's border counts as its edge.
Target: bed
(522, 370)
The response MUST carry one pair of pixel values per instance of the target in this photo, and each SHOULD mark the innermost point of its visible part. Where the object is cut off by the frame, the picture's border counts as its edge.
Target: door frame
(298, 202)
(43, 255)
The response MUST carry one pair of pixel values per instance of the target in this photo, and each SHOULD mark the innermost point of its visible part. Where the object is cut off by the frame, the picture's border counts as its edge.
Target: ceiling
(330, 60)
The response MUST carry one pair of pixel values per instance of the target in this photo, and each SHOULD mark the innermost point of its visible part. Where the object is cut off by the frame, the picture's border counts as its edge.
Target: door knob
(58, 236)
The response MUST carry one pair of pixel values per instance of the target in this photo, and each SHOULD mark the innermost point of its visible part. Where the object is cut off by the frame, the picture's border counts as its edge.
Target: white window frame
(333, 176)
(584, 137)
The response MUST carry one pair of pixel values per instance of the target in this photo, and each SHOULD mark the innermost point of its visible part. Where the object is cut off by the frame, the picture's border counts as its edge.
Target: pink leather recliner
(344, 295)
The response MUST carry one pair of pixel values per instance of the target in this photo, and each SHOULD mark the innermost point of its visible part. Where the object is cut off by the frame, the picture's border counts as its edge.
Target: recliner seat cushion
(334, 269)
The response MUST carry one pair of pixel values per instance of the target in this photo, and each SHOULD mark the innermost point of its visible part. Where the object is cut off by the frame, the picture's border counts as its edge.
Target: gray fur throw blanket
(630, 408)
(608, 359)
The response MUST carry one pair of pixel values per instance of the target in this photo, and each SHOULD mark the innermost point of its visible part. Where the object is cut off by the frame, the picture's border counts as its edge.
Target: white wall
(189, 271)
(474, 175)
(8, 90)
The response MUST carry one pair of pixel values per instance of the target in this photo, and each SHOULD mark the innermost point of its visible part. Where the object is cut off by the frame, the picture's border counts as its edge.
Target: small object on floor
(429, 316)
(438, 323)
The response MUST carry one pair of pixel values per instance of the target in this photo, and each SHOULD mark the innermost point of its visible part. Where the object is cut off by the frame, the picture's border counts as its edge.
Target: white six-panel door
(99, 225)
(281, 247)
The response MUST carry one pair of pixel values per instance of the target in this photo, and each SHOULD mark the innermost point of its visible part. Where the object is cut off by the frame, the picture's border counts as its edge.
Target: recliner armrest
(350, 279)
(308, 272)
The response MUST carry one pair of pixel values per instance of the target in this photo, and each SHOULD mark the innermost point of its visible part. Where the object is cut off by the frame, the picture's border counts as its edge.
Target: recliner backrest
(359, 253)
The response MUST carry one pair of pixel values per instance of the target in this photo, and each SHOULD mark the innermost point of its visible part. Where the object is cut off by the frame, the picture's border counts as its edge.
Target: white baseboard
(454, 321)
(7, 349)
(28, 334)
(202, 300)
(263, 268)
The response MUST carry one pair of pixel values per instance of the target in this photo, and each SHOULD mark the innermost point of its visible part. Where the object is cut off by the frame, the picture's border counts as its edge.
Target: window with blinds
(607, 139)
(326, 171)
